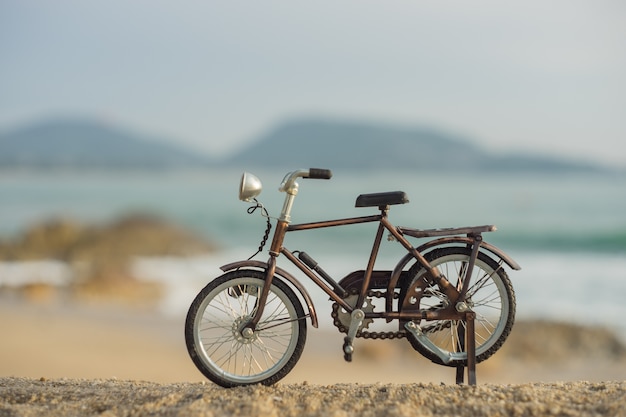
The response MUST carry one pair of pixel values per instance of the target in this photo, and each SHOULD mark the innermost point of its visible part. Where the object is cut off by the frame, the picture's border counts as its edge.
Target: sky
(534, 76)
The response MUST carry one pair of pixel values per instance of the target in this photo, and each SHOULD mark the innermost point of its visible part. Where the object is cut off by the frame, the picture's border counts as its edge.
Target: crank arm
(356, 319)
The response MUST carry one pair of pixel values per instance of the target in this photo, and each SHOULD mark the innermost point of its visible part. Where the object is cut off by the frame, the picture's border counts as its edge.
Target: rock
(100, 256)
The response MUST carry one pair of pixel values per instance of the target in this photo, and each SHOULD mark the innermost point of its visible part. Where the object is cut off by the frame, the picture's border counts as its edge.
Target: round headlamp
(249, 187)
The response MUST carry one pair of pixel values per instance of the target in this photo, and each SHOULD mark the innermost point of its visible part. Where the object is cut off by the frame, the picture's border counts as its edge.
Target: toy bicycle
(451, 297)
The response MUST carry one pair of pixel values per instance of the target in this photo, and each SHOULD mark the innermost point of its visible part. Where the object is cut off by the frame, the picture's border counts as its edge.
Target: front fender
(283, 274)
(395, 275)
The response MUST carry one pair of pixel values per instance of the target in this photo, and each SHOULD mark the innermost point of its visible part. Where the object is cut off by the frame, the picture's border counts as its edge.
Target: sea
(567, 231)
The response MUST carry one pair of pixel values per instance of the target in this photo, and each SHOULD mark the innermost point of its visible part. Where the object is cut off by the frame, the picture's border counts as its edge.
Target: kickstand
(470, 345)
(470, 316)
(460, 374)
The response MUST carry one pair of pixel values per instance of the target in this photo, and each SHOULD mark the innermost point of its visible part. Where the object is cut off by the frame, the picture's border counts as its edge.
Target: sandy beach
(69, 360)
(33, 398)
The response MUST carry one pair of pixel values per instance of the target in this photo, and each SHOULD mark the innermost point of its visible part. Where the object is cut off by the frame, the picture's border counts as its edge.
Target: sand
(65, 397)
(68, 360)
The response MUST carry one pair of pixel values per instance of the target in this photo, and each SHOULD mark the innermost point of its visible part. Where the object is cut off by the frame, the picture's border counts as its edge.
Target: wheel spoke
(486, 279)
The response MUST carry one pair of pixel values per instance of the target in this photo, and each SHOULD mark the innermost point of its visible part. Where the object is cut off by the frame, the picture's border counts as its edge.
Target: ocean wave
(595, 242)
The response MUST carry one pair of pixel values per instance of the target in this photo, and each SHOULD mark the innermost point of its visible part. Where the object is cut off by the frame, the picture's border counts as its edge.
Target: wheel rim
(252, 356)
(486, 296)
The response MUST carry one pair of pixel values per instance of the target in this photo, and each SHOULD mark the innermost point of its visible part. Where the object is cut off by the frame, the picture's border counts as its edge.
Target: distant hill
(362, 145)
(88, 144)
(334, 144)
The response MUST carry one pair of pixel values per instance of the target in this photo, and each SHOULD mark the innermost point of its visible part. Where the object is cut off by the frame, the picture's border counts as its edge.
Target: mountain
(88, 144)
(303, 143)
(361, 145)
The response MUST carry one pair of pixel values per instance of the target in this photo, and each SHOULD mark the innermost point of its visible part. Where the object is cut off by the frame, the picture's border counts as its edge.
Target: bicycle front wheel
(213, 330)
(490, 296)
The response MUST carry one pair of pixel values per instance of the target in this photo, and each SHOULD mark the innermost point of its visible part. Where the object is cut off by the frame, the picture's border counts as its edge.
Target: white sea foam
(16, 274)
(553, 286)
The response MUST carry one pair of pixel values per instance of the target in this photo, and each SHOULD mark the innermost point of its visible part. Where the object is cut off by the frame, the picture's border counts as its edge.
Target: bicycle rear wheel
(219, 313)
(490, 296)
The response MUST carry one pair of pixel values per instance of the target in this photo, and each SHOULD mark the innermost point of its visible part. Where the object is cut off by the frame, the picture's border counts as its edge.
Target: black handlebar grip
(319, 173)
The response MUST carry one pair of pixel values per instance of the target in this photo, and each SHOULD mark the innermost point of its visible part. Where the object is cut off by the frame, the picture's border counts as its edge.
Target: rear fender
(470, 241)
(445, 241)
(283, 274)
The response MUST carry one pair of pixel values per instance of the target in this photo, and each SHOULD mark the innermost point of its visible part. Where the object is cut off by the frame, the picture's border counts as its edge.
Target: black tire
(490, 296)
(214, 321)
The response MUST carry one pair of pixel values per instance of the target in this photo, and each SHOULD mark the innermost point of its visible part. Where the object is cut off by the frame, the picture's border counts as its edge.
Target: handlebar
(289, 184)
(319, 173)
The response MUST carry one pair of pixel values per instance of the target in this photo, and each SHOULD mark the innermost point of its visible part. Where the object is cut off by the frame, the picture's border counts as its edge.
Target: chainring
(343, 317)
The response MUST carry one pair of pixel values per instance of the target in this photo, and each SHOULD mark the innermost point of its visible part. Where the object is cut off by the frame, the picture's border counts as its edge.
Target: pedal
(417, 332)
(348, 349)
(356, 319)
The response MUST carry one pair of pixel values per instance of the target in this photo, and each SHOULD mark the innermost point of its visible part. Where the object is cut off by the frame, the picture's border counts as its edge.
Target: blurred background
(124, 128)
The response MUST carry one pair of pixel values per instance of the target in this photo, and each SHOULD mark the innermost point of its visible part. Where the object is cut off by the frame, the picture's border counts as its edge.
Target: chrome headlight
(249, 187)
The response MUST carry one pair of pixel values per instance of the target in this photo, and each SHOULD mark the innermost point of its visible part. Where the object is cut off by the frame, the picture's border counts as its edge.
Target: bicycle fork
(277, 242)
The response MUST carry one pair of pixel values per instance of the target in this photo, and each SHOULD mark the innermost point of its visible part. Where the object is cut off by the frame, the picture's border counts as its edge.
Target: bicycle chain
(364, 333)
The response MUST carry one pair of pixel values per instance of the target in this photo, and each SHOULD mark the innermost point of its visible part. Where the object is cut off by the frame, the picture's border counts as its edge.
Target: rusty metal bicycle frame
(454, 294)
